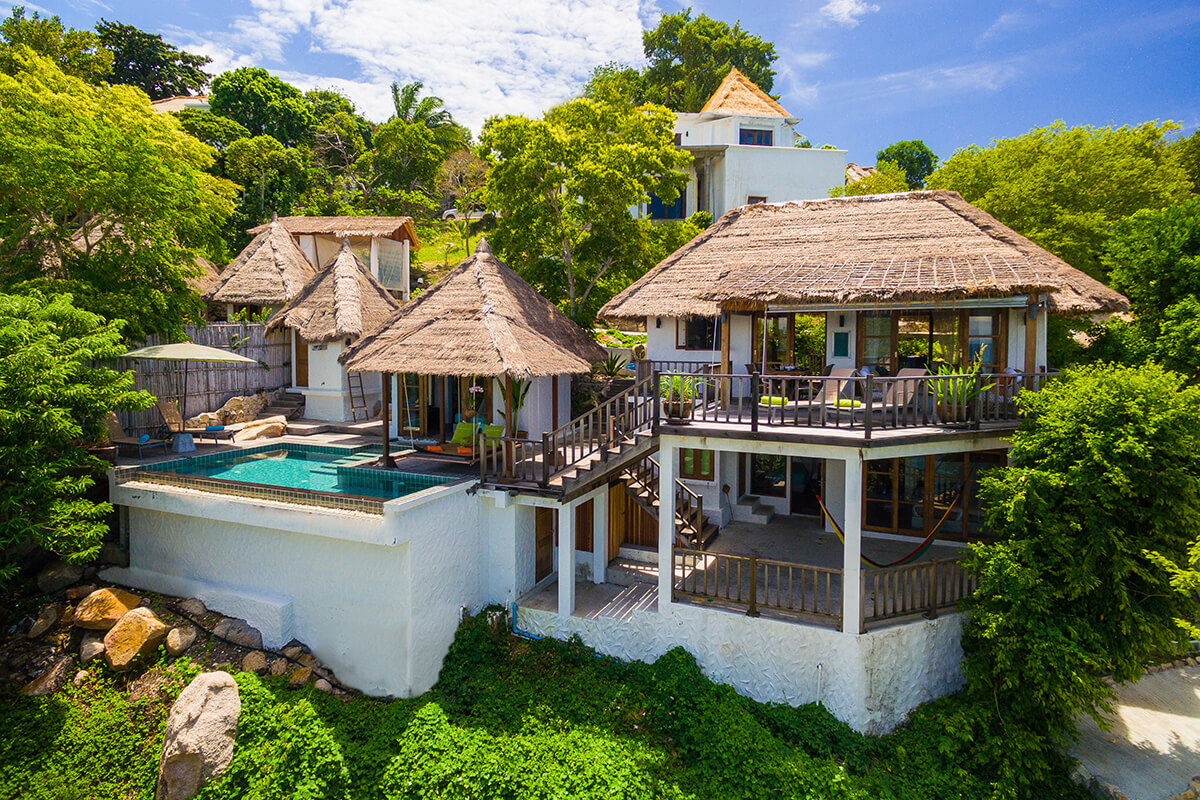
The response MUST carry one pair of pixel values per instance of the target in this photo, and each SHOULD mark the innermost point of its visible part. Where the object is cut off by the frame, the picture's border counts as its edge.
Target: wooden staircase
(692, 526)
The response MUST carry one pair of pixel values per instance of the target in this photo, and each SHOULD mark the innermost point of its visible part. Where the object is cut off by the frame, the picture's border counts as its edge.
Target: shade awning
(186, 351)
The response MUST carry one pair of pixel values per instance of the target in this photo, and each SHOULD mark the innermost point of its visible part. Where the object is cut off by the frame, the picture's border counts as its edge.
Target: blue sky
(861, 73)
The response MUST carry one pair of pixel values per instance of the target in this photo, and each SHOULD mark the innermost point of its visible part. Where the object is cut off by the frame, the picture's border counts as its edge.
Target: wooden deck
(596, 600)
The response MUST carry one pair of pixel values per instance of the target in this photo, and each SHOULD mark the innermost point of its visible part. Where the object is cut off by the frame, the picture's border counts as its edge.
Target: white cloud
(1005, 23)
(480, 56)
(847, 12)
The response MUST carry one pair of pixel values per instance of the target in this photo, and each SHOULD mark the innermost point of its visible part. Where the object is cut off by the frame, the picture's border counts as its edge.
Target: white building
(855, 609)
(743, 151)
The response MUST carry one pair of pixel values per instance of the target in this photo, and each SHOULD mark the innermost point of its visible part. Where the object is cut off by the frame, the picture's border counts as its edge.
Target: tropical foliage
(913, 157)
(53, 398)
(887, 177)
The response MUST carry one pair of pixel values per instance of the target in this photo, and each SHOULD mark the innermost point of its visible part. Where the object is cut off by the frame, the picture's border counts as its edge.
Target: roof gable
(343, 300)
(737, 94)
(480, 319)
(271, 270)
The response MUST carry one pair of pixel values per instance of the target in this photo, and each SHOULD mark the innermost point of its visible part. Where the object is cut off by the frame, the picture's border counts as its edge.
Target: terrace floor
(799, 540)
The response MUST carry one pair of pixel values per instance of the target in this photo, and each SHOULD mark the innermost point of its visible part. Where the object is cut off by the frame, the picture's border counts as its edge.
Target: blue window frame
(761, 138)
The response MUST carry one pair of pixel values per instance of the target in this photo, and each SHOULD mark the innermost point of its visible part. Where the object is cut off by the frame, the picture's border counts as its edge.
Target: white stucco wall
(834, 323)
(378, 599)
(781, 173)
(661, 343)
(327, 396)
(869, 681)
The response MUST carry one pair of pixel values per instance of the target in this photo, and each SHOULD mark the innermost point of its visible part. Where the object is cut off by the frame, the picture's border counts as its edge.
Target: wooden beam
(1032, 319)
(386, 460)
(726, 366)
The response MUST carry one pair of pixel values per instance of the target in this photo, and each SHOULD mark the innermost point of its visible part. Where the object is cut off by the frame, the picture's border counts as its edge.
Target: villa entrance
(789, 484)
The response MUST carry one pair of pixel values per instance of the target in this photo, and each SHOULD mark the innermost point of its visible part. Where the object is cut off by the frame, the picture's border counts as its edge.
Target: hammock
(913, 556)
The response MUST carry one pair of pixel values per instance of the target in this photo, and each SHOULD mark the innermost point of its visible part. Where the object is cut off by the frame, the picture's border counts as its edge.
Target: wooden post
(933, 591)
(509, 417)
(752, 611)
(726, 366)
(387, 421)
(1031, 333)
(869, 400)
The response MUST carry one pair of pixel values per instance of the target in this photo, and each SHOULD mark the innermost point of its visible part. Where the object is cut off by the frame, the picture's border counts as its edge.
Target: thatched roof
(911, 246)
(206, 278)
(398, 228)
(737, 94)
(342, 301)
(269, 272)
(856, 172)
(480, 319)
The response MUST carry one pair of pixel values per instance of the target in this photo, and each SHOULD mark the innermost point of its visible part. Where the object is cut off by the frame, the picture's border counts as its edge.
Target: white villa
(933, 315)
(743, 149)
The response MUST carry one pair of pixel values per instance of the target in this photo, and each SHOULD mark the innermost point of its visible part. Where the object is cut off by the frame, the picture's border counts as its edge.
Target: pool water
(296, 466)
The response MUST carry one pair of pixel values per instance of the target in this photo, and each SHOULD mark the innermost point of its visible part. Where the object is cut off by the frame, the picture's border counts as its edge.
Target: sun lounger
(174, 422)
(117, 436)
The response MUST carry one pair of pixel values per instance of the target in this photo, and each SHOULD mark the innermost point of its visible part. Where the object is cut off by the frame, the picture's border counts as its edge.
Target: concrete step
(281, 411)
(626, 572)
(752, 509)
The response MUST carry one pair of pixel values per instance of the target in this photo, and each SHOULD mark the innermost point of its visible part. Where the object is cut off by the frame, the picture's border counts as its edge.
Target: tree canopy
(565, 184)
(1104, 485)
(97, 164)
(263, 104)
(78, 53)
(687, 58)
(913, 157)
(888, 177)
(1065, 188)
(52, 398)
(144, 60)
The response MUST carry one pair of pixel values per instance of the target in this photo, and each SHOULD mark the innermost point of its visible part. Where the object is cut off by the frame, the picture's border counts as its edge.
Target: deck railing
(689, 504)
(864, 404)
(645, 367)
(758, 584)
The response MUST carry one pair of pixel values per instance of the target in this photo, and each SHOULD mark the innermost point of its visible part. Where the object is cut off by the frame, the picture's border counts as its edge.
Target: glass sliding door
(911, 495)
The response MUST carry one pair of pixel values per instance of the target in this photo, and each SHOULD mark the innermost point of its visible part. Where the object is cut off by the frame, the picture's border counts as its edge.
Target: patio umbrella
(185, 352)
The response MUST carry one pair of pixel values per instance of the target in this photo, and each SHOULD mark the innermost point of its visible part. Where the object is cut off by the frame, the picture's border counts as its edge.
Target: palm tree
(430, 112)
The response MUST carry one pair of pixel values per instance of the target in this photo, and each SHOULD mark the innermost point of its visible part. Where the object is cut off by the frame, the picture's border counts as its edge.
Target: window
(696, 465)
(755, 198)
(875, 332)
(912, 495)
(983, 341)
(661, 210)
(678, 139)
(761, 138)
(698, 333)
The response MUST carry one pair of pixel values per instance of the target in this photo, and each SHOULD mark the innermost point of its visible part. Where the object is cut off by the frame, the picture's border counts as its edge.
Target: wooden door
(301, 361)
(543, 543)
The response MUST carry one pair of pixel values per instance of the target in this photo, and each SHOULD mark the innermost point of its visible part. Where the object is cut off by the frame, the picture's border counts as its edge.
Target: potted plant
(676, 393)
(955, 390)
(471, 401)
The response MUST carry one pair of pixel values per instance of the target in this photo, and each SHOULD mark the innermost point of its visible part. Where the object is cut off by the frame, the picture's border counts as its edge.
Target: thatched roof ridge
(397, 228)
(737, 94)
(342, 301)
(271, 270)
(480, 319)
(905, 247)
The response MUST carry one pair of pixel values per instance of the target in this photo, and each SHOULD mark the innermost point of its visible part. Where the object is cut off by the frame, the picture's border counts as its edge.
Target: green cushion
(464, 434)
(494, 431)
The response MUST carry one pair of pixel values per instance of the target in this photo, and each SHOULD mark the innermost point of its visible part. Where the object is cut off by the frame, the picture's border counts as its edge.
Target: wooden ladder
(358, 402)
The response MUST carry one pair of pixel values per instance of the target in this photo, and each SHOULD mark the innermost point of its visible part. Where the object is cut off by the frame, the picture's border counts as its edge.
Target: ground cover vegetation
(507, 719)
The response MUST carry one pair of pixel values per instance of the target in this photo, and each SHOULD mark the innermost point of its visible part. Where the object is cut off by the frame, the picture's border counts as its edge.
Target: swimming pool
(301, 467)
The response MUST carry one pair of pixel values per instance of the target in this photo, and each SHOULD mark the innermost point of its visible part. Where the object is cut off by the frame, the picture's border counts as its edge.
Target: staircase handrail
(692, 501)
(598, 429)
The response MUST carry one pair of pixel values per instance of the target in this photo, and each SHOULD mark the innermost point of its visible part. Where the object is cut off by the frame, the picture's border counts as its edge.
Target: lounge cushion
(493, 431)
(464, 434)
(434, 448)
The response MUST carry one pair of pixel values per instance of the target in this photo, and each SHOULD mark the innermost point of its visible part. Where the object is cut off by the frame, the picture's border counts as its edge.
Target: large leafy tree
(78, 53)
(271, 175)
(564, 185)
(104, 198)
(144, 60)
(399, 174)
(53, 397)
(1153, 257)
(1066, 188)
(264, 104)
(913, 157)
(687, 58)
(1104, 488)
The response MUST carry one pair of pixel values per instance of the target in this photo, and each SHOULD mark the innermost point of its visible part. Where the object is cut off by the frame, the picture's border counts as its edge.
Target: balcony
(851, 410)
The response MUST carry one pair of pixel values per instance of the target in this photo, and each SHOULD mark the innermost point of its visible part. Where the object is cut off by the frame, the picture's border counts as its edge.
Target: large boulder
(52, 679)
(266, 428)
(57, 576)
(239, 632)
(136, 635)
(101, 609)
(180, 639)
(201, 729)
(236, 409)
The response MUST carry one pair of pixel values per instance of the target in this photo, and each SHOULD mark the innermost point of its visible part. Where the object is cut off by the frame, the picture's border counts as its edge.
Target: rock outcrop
(236, 409)
(200, 736)
(239, 632)
(136, 635)
(57, 576)
(266, 428)
(51, 680)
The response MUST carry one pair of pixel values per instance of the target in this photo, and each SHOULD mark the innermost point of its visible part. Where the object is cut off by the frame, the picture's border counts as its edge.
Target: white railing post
(600, 536)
